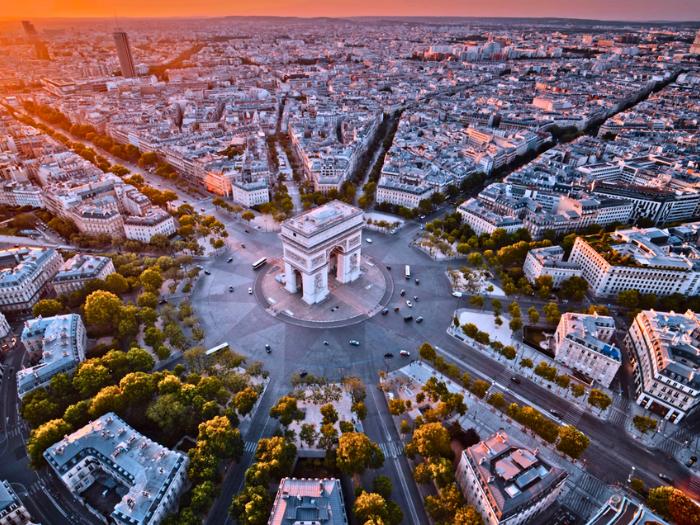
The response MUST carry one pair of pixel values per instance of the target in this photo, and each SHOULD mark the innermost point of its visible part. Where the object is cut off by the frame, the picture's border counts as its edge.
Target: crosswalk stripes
(586, 494)
(251, 446)
(391, 449)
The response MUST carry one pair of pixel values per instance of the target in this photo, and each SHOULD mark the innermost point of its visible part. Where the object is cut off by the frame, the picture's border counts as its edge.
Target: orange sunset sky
(601, 9)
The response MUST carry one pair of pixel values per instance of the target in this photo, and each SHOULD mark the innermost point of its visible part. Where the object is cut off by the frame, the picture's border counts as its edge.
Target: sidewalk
(524, 351)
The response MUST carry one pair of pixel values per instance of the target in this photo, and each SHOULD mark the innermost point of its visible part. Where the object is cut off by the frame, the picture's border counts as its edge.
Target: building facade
(24, 277)
(317, 501)
(584, 343)
(507, 483)
(60, 342)
(126, 59)
(154, 475)
(12, 510)
(75, 273)
(549, 261)
(484, 221)
(664, 348)
(156, 222)
(325, 239)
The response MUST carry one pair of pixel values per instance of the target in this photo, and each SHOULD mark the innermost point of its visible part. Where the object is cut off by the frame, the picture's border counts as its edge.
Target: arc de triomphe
(325, 239)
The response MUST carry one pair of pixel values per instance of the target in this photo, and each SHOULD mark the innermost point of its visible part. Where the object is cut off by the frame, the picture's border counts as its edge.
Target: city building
(126, 60)
(507, 483)
(153, 476)
(12, 510)
(651, 260)
(621, 510)
(584, 343)
(312, 501)
(664, 348)
(484, 221)
(250, 193)
(75, 273)
(5, 329)
(549, 261)
(322, 240)
(24, 277)
(155, 222)
(59, 345)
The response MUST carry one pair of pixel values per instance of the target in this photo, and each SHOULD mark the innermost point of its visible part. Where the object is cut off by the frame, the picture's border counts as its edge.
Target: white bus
(259, 263)
(408, 272)
(216, 349)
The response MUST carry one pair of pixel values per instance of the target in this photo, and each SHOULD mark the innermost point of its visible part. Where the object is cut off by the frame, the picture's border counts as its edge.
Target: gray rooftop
(317, 501)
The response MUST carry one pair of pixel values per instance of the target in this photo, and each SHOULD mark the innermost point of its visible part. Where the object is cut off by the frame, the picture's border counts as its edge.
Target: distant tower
(42, 52)
(29, 28)
(695, 48)
(126, 61)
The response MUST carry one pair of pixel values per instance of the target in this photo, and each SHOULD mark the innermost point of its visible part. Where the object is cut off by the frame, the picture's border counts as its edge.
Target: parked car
(229, 260)
(515, 379)
(407, 318)
(385, 311)
(250, 291)
(405, 353)
(369, 241)
(409, 304)
(388, 355)
(207, 272)
(419, 319)
(402, 293)
(354, 342)
(268, 349)
(230, 289)
(665, 478)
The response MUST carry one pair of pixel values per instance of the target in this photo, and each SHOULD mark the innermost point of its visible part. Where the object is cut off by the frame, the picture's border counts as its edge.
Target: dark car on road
(515, 379)
(407, 318)
(388, 355)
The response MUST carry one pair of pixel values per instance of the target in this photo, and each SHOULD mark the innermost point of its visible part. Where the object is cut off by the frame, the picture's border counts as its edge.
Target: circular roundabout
(346, 303)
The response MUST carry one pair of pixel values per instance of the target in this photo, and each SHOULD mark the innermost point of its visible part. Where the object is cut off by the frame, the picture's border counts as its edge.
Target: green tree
(169, 413)
(330, 415)
(427, 352)
(47, 308)
(431, 440)
(382, 485)
(245, 400)
(252, 505)
(356, 453)
(533, 314)
(91, 377)
(644, 423)
(629, 299)
(202, 496)
(139, 360)
(577, 389)
(151, 279)
(526, 362)
(109, 399)
(360, 410)
(444, 506)
(308, 434)
(286, 410)
(551, 312)
(77, 415)
(370, 507)
(278, 453)
(572, 441)
(137, 388)
(247, 216)
(476, 301)
(599, 399)
(147, 300)
(479, 388)
(43, 437)
(219, 438)
(38, 407)
(467, 515)
(102, 309)
(117, 283)
(573, 288)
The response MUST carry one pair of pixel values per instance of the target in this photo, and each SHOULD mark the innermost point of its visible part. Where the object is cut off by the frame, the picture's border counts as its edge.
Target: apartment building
(648, 260)
(317, 501)
(507, 483)
(250, 193)
(584, 343)
(60, 343)
(75, 273)
(664, 348)
(12, 510)
(403, 191)
(24, 277)
(153, 475)
(155, 222)
(549, 261)
(484, 221)
(621, 510)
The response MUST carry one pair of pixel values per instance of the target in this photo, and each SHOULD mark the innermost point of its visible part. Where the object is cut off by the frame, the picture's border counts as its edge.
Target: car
(417, 281)
(369, 241)
(246, 231)
(515, 379)
(422, 217)
(405, 353)
(230, 289)
(325, 343)
(268, 349)
(419, 319)
(303, 373)
(402, 293)
(201, 209)
(163, 301)
(250, 291)
(554, 412)
(229, 260)
(457, 294)
(407, 318)
(388, 268)
(396, 309)
(409, 304)
(415, 298)
(388, 355)
(207, 272)
(243, 246)
(665, 478)
(385, 311)
(354, 342)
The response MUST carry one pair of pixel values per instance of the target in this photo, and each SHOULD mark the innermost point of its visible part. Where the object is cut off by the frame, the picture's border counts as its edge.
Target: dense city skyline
(676, 10)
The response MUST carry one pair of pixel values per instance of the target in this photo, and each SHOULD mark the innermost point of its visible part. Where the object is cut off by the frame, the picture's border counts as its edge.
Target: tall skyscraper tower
(695, 48)
(126, 61)
(29, 28)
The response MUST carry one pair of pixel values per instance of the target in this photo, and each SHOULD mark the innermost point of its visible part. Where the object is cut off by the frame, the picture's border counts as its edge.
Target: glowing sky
(599, 9)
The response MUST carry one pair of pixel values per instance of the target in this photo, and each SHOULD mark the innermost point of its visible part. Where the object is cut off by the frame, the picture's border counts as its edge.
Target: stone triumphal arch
(327, 239)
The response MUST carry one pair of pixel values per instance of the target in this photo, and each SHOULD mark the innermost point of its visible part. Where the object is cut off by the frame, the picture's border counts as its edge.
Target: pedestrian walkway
(391, 449)
(584, 494)
(251, 446)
